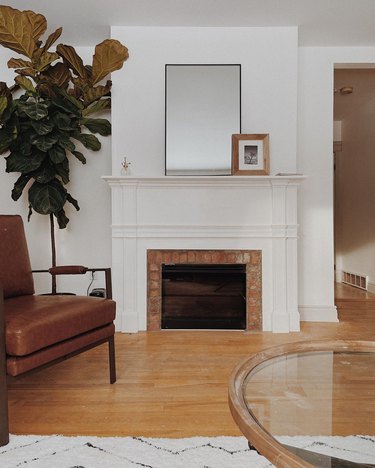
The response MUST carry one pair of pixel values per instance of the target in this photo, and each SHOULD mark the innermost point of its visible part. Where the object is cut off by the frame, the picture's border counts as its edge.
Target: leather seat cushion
(35, 322)
(19, 365)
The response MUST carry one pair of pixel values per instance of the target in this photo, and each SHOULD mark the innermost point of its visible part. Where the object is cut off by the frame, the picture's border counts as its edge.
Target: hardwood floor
(170, 383)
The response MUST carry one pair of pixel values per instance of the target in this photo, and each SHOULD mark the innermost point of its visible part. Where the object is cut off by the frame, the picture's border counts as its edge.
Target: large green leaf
(67, 144)
(26, 72)
(19, 30)
(69, 97)
(4, 144)
(45, 90)
(25, 83)
(62, 121)
(17, 162)
(101, 126)
(89, 141)
(34, 110)
(95, 93)
(3, 104)
(58, 75)
(109, 56)
(46, 59)
(73, 201)
(66, 105)
(42, 127)
(72, 59)
(9, 112)
(62, 170)
(79, 156)
(19, 185)
(57, 154)
(19, 63)
(97, 106)
(51, 39)
(47, 198)
(38, 24)
(62, 219)
(44, 142)
(5, 91)
(24, 146)
(45, 173)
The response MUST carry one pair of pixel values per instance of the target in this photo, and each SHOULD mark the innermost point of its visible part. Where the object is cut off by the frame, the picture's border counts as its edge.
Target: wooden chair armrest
(68, 270)
(81, 270)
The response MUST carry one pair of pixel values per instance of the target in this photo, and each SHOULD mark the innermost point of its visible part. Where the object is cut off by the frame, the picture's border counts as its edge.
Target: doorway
(354, 175)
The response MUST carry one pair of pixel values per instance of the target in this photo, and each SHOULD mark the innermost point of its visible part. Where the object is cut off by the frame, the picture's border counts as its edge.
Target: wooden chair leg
(4, 423)
(112, 359)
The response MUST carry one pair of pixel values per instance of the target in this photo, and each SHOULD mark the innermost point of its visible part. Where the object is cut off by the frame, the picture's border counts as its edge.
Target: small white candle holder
(125, 166)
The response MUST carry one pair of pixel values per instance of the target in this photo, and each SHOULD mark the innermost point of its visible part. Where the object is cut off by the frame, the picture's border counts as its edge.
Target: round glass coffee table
(316, 388)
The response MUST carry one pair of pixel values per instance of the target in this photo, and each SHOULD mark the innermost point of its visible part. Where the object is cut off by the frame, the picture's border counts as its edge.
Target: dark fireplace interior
(205, 296)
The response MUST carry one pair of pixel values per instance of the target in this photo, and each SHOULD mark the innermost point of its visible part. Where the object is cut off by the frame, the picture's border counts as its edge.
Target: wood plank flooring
(170, 383)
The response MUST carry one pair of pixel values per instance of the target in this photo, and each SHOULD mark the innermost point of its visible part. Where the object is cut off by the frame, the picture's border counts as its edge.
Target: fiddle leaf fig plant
(46, 115)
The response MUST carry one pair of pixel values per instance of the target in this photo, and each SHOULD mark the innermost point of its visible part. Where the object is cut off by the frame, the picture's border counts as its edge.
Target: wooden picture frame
(250, 154)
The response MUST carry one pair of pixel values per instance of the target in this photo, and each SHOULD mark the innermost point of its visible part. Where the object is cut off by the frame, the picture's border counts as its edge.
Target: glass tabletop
(315, 393)
(305, 389)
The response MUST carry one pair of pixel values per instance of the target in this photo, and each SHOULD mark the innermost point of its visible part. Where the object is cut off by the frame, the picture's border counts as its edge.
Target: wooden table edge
(259, 437)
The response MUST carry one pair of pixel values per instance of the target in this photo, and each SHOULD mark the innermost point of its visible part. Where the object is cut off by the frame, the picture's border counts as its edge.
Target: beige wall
(355, 174)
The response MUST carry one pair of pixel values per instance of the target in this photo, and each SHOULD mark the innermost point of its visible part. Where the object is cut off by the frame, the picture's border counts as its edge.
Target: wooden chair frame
(4, 419)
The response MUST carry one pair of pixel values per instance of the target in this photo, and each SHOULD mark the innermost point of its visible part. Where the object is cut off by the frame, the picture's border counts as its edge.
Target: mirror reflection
(202, 111)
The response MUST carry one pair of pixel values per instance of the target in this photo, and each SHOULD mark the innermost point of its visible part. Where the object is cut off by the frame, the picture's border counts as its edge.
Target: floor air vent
(357, 281)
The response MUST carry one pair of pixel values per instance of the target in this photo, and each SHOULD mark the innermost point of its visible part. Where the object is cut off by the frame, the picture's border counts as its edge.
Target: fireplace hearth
(208, 296)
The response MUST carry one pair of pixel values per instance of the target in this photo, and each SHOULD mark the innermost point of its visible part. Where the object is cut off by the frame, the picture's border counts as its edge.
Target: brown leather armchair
(37, 331)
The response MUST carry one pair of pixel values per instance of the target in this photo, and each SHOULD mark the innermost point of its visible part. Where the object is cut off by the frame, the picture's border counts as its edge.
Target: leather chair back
(15, 268)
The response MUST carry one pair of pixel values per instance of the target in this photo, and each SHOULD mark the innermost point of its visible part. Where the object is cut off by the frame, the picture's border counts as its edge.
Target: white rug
(196, 452)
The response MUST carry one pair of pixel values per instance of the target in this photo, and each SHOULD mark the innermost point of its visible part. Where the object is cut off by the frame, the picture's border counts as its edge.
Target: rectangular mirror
(202, 111)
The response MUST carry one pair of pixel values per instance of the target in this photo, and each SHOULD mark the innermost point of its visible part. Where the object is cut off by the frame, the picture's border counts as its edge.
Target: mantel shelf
(184, 181)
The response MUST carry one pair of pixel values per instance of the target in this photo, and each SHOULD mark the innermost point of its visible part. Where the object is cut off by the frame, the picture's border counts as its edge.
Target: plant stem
(53, 246)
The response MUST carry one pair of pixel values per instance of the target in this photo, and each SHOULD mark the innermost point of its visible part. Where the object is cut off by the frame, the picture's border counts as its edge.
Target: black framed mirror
(202, 111)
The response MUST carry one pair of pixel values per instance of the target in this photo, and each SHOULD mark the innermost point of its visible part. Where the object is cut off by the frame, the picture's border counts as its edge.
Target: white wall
(269, 58)
(269, 88)
(87, 239)
(315, 130)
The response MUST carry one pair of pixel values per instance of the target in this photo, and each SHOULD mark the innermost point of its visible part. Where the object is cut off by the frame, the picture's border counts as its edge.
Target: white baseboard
(371, 287)
(318, 313)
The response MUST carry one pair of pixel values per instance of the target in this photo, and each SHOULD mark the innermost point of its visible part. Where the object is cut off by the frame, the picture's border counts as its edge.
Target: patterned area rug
(195, 452)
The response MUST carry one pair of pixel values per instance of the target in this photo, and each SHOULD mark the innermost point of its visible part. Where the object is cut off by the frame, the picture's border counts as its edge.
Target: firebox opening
(204, 296)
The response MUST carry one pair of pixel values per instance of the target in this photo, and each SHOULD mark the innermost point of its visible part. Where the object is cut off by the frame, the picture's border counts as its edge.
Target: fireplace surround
(252, 259)
(206, 213)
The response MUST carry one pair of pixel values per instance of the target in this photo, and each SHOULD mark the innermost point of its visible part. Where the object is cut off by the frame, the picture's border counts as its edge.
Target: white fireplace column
(285, 315)
(208, 213)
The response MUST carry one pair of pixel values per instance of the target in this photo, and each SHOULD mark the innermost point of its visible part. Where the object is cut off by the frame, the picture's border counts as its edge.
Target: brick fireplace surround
(251, 258)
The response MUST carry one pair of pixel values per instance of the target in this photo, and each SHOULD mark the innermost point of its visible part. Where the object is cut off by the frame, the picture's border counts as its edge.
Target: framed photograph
(250, 154)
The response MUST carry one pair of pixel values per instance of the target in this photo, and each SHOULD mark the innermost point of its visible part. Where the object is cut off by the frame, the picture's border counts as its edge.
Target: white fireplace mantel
(205, 212)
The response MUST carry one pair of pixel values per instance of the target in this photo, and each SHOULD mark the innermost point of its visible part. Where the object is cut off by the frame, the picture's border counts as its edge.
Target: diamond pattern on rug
(195, 452)
(356, 448)
(128, 452)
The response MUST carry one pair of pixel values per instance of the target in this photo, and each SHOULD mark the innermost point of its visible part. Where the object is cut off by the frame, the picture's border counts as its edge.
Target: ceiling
(320, 22)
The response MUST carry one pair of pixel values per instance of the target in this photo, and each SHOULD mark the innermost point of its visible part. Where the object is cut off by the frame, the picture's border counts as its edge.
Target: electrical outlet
(98, 292)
